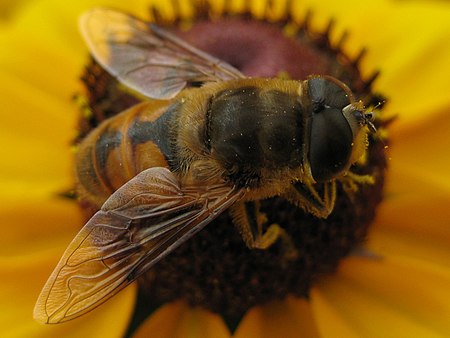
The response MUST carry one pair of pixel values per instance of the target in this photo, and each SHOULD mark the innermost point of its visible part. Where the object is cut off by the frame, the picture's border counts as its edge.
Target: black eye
(324, 92)
(330, 144)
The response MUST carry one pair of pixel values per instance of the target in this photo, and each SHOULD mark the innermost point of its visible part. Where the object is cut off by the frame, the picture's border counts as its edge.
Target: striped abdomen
(121, 147)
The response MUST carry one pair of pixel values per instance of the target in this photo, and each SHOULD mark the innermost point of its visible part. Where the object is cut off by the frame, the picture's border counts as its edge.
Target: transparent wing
(147, 58)
(138, 225)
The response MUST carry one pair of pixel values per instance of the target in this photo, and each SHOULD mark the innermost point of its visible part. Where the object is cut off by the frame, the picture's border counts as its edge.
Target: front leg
(316, 199)
(250, 222)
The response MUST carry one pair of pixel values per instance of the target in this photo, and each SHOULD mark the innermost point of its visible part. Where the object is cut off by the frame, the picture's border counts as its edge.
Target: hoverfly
(162, 170)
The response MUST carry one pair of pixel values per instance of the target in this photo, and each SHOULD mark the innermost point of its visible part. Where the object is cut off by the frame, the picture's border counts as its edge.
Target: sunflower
(397, 286)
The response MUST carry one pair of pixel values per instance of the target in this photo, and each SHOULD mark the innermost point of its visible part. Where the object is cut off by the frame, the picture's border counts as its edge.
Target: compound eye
(330, 146)
(329, 92)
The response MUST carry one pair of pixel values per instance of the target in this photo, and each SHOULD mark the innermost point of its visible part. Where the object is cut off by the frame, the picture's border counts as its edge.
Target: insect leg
(351, 182)
(317, 199)
(250, 222)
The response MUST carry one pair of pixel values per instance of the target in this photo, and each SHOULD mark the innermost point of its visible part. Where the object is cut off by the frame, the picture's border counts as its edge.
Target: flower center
(215, 269)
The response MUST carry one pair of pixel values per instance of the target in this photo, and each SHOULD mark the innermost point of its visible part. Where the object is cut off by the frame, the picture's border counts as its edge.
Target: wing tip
(83, 24)
(39, 314)
(87, 14)
(41, 308)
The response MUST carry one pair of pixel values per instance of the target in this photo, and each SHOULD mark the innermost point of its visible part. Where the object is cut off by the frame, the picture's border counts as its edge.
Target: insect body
(162, 170)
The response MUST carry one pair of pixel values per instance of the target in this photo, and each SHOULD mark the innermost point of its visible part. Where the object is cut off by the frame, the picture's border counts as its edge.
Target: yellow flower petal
(390, 297)
(413, 221)
(20, 283)
(289, 318)
(406, 41)
(8, 8)
(179, 320)
(51, 57)
(35, 234)
(42, 62)
(414, 225)
(34, 151)
(422, 150)
(35, 225)
(329, 321)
